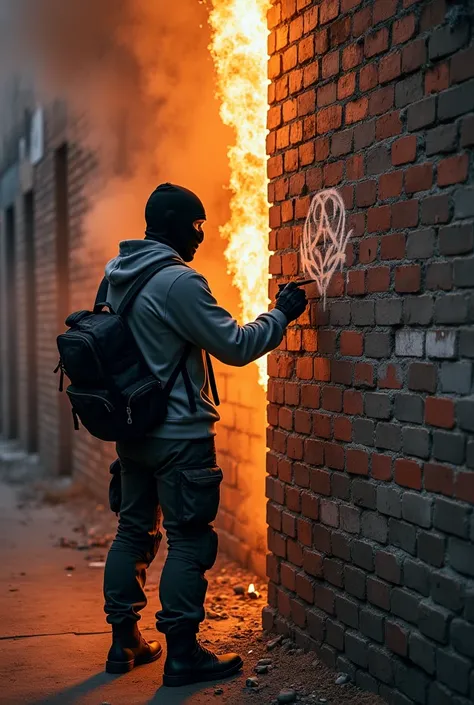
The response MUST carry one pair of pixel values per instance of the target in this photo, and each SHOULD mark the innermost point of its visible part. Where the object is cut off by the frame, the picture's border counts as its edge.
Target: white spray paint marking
(323, 246)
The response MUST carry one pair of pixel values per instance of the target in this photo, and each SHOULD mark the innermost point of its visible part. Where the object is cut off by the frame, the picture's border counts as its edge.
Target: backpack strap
(212, 379)
(101, 298)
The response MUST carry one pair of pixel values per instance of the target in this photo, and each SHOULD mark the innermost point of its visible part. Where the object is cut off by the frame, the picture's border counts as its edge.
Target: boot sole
(126, 666)
(177, 681)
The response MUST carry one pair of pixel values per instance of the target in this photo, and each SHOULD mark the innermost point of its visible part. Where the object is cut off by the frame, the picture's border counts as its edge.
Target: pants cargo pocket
(200, 494)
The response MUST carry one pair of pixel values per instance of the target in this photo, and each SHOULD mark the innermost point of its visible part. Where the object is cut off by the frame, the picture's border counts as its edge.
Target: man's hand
(291, 301)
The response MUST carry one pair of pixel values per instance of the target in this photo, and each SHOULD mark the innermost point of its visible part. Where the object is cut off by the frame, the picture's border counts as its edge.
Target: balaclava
(170, 213)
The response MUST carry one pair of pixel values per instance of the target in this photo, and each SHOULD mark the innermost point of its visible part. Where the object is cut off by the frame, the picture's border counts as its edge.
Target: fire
(239, 51)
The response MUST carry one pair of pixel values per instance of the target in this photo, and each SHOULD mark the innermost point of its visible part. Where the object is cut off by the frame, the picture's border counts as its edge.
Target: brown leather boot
(130, 649)
(192, 663)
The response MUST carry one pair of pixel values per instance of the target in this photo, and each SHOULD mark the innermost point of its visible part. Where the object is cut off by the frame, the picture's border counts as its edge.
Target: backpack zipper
(58, 367)
(107, 404)
(129, 408)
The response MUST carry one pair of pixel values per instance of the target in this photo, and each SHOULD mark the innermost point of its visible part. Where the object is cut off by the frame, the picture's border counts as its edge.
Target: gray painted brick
(340, 313)
(456, 239)
(388, 312)
(409, 91)
(451, 517)
(409, 343)
(363, 313)
(378, 592)
(441, 343)
(416, 509)
(431, 548)
(374, 526)
(378, 160)
(366, 682)
(364, 135)
(404, 604)
(388, 567)
(451, 308)
(362, 555)
(465, 414)
(377, 406)
(439, 276)
(464, 272)
(364, 494)
(441, 139)
(422, 377)
(356, 649)
(447, 590)
(420, 114)
(349, 518)
(380, 664)
(416, 441)
(470, 454)
(416, 576)
(462, 637)
(411, 682)
(422, 652)
(402, 535)
(347, 611)
(335, 634)
(371, 624)
(464, 202)
(433, 621)
(363, 431)
(456, 377)
(409, 407)
(388, 436)
(354, 581)
(389, 501)
(456, 101)
(447, 39)
(343, 665)
(466, 343)
(449, 447)
(461, 556)
(420, 244)
(418, 310)
(378, 345)
(440, 695)
(453, 670)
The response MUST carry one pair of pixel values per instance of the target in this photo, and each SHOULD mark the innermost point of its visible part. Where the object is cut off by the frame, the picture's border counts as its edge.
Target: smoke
(139, 84)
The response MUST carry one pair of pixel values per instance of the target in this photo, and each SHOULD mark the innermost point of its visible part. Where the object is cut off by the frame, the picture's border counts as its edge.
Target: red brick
(388, 125)
(376, 42)
(355, 167)
(351, 343)
(378, 219)
(302, 421)
(357, 462)
(285, 470)
(306, 49)
(381, 467)
(310, 394)
(439, 412)
(378, 279)
(382, 100)
(277, 543)
(408, 278)
(347, 5)
(390, 185)
(356, 282)
(346, 85)
(437, 79)
(364, 374)
(413, 56)
(392, 246)
(342, 429)
(295, 552)
(329, 118)
(453, 170)
(306, 103)
(403, 29)
(285, 418)
(390, 67)
(368, 77)
(438, 478)
(294, 447)
(389, 378)
(353, 402)
(310, 74)
(366, 193)
(313, 563)
(404, 150)
(333, 173)
(408, 473)
(405, 214)
(331, 398)
(341, 372)
(340, 31)
(433, 14)
(322, 369)
(368, 249)
(361, 22)
(287, 576)
(287, 211)
(328, 10)
(313, 452)
(330, 64)
(310, 509)
(321, 482)
(334, 456)
(357, 110)
(418, 178)
(464, 486)
(322, 425)
(396, 638)
(352, 56)
(383, 9)
(274, 516)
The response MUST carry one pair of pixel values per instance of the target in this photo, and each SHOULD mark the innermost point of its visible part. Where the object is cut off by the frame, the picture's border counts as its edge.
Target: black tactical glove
(291, 301)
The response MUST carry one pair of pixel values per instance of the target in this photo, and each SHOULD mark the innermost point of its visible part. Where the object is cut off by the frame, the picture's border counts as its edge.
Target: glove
(291, 301)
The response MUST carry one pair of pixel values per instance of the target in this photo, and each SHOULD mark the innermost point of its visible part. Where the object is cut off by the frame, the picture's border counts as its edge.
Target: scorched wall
(371, 466)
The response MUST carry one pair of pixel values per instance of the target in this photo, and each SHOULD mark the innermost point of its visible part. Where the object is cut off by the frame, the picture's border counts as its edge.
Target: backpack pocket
(200, 495)
(79, 358)
(145, 406)
(97, 412)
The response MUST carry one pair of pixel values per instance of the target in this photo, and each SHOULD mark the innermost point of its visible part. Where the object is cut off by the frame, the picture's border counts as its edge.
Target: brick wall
(371, 465)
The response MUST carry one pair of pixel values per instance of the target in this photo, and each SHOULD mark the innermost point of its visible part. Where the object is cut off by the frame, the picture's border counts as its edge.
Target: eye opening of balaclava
(170, 213)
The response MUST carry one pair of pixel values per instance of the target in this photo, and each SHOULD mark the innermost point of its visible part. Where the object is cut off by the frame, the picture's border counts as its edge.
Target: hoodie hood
(135, 256)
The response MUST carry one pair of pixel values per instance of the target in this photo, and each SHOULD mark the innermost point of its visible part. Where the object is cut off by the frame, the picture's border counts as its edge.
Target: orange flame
(239, 51)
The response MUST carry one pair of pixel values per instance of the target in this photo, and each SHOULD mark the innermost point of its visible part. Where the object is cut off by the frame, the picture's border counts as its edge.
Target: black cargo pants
(179, 480)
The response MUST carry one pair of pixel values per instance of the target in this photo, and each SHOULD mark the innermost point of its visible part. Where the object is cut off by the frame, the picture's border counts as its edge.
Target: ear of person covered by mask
(175, 216)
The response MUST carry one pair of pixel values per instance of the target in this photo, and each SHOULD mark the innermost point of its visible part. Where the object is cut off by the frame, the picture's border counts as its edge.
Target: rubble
(342, 679)
(261, 670)
(252, 682)
(273, 643)
(287, 695)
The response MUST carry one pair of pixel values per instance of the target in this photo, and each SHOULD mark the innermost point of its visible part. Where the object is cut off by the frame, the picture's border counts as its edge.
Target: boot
(130, 649)
(192, 663)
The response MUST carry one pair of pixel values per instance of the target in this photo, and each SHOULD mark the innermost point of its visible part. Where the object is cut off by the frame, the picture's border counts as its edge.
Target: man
(173, 471)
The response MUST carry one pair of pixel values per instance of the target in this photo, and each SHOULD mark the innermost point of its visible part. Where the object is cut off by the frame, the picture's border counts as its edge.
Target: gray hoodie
(176, 306)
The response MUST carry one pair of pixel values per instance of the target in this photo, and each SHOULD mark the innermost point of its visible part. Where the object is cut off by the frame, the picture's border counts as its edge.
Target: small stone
(264, 662)
(218, 691)
(239, 590)
(260, 670)
(287, 695)
(274, 643)
(323, 700)
(342, 678)
(252, 682)
(69, 568)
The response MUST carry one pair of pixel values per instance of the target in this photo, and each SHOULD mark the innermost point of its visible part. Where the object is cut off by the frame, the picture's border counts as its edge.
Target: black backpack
(112, 391)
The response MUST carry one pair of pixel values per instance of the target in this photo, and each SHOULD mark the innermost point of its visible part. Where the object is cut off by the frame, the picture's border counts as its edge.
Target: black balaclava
(170, 213)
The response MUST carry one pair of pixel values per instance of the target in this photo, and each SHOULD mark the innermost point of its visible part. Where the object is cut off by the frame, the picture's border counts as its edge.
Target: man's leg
(130, 554)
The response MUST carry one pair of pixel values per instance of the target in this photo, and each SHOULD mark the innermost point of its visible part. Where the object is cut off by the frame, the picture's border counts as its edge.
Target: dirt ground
(53, 637)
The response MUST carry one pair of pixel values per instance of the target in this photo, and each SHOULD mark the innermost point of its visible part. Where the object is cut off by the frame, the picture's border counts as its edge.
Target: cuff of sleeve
(280, 317)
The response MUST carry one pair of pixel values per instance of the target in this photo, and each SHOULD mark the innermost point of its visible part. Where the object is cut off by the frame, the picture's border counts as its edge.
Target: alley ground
(53, 638)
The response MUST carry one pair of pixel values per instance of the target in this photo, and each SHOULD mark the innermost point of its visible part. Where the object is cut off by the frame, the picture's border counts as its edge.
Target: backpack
(112, 391)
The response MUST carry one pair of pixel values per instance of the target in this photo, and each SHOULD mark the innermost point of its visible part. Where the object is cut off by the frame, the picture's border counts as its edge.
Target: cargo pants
(179, 481)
